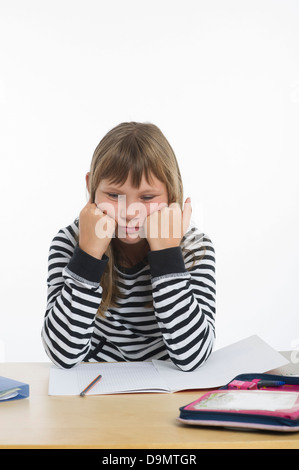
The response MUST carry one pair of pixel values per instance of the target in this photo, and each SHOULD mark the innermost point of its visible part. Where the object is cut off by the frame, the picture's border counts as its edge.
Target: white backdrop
(221, 80)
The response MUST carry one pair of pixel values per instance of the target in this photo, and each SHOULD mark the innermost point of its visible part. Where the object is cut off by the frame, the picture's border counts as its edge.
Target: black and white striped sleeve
(184, 290)
(74, 295)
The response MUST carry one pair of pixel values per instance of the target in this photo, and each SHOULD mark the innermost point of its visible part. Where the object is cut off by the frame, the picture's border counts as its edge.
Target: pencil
(82, 394)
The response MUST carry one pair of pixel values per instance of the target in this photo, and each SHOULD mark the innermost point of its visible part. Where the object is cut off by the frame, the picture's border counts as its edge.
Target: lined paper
(117, 377)
(251, 355)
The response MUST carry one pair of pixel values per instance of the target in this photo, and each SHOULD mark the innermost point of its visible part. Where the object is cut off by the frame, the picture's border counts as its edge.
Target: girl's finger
(187, 212)
(98, 211)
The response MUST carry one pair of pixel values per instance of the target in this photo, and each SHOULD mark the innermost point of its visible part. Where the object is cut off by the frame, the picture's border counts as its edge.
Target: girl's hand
(96, 230)
(164, 228)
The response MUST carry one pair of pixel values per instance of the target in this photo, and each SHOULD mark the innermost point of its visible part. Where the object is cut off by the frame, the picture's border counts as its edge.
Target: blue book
(12, 389)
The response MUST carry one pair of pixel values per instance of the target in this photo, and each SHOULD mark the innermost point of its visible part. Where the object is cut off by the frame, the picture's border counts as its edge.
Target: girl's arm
(74, 295)
(74, 291)
(184, 299)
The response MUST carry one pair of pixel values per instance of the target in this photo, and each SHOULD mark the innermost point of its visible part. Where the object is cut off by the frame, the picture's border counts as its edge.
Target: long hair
(139, 149)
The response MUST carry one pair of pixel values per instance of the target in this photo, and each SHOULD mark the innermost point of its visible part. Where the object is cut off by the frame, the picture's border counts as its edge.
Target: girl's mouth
(129, 229)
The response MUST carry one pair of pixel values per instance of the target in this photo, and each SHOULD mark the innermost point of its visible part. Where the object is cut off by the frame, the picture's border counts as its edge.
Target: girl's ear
(87, 181)
(87, 184)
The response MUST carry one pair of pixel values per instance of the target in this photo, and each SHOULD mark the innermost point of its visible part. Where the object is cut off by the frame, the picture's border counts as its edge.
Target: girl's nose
(130, 209)
(125, 212)
(136, 211)
(122, 209)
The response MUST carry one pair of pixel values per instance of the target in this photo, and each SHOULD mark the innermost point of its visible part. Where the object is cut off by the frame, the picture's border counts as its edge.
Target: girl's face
(130, 206)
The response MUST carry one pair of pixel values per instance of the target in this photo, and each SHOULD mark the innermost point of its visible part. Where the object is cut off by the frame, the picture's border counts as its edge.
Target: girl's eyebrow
(114, 189)
(150, 190)
(111, 189)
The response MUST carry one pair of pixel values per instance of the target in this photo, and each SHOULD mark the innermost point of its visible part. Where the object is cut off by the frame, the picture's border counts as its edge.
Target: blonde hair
(139, 149)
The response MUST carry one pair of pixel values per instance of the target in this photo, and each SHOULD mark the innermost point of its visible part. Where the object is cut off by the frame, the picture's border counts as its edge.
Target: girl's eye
(115, 196)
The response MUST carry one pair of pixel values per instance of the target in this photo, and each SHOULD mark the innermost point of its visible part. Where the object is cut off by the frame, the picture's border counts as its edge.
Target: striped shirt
(178, 283)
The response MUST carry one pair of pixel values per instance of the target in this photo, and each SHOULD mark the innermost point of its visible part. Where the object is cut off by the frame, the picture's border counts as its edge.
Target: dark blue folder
(12, 390)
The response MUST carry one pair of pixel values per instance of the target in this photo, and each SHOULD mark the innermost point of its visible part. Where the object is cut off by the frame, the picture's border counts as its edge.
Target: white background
(221, 80)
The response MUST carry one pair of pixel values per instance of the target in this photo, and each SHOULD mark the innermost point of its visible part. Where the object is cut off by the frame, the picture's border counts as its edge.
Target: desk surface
(128, 421)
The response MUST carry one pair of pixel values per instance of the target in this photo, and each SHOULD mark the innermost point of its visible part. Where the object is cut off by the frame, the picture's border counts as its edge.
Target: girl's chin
(130, 240)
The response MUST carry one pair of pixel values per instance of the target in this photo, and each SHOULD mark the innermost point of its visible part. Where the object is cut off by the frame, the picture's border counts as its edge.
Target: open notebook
(249, 355)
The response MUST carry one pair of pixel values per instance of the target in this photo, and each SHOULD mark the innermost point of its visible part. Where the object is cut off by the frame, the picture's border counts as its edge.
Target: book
(250, 354)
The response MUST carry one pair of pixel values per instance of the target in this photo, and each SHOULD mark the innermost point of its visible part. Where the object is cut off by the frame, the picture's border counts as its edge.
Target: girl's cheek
(108, 207)
(112, 207)
(157, 205)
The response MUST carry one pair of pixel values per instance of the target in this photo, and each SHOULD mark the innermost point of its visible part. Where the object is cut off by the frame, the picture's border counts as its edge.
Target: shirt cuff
(167, 261)
(86, 266)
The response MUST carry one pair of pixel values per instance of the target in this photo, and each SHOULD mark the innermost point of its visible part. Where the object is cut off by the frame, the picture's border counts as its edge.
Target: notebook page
(291, 369)
(117, 377)
(251, 354)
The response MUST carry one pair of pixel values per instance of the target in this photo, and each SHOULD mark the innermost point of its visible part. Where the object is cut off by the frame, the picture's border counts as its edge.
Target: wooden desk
(129, 421)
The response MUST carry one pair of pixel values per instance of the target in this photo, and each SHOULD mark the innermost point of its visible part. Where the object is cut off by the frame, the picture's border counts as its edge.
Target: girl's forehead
(151, 183)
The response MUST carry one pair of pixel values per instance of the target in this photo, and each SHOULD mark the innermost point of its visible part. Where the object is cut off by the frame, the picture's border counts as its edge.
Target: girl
(130, 280)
